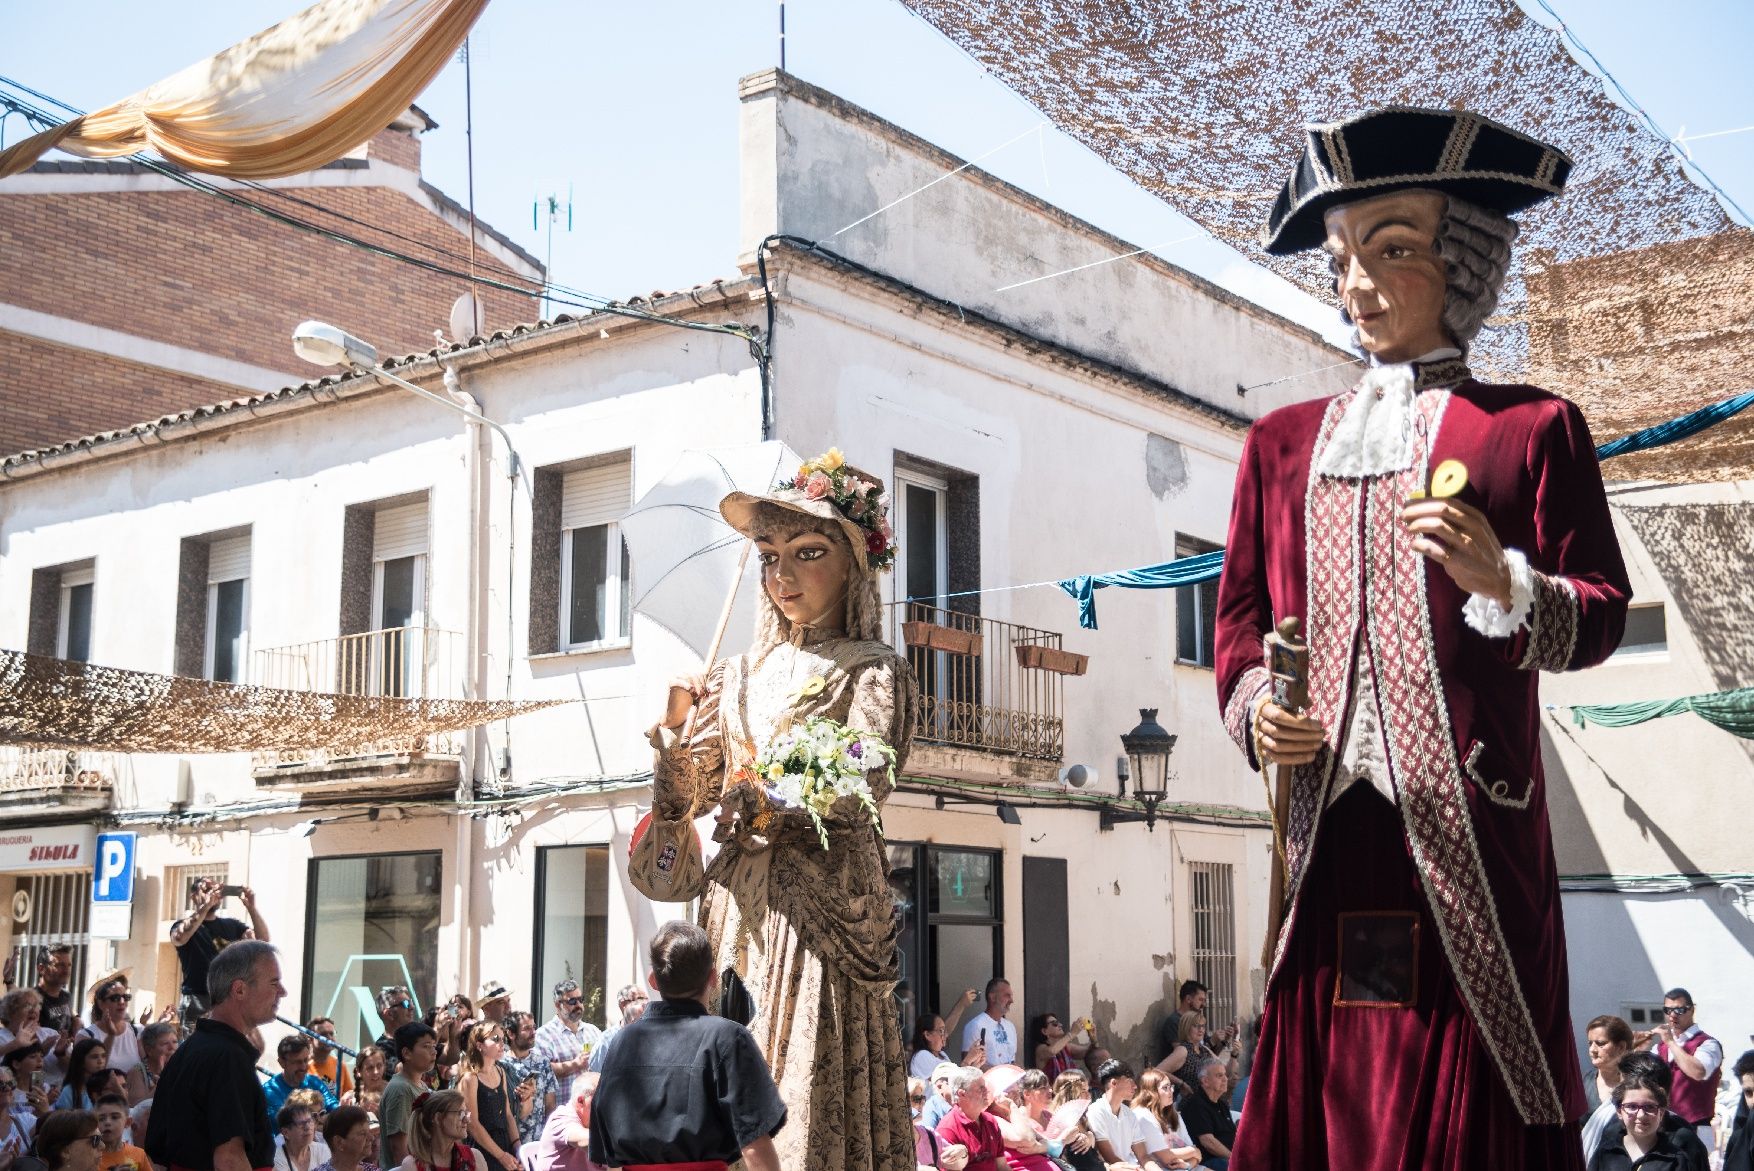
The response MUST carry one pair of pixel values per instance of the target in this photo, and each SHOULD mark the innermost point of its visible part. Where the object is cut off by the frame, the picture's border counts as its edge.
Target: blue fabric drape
(1206, 566)
(1168, 576)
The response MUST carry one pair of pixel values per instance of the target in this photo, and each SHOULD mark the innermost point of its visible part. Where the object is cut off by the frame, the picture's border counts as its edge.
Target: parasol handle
(712, 652)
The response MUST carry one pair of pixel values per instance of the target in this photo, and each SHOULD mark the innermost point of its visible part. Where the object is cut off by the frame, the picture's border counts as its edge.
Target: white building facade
(345, 535)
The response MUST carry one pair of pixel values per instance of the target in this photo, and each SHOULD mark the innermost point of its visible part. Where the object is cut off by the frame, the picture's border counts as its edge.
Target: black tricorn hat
(1399, 147)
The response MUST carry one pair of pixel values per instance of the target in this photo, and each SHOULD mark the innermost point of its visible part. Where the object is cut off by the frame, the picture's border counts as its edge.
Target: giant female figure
(1416, 1005)
(806, 929)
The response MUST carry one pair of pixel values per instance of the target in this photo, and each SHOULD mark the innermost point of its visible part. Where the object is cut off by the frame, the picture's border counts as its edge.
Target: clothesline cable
(1650, 122)
(1036, 129)
(1097, 263)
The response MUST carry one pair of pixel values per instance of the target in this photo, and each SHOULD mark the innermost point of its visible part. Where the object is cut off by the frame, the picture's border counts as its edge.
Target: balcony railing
(55, 772)
(984, 684)
(405, 662)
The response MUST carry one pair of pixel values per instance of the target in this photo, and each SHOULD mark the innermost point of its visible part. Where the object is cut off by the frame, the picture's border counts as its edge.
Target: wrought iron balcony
(406, 662)
(984, 684)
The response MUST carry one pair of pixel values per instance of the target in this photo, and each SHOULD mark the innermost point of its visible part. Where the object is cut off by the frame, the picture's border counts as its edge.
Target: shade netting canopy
(1628, 294)
(54, 703)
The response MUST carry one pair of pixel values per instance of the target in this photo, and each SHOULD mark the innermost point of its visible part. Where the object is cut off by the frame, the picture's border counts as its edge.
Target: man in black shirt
(1206, 1112)
(681, 1085)
(209, 1112)
(54, 969)
(202, 934)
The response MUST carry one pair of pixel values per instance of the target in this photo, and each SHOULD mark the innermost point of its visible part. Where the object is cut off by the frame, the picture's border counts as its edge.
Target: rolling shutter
(596, 495)
(399, 532)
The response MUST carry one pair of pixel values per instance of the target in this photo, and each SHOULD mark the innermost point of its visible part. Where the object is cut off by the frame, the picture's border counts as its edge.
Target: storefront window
(370, 922)
(955, 940)
(572, 924)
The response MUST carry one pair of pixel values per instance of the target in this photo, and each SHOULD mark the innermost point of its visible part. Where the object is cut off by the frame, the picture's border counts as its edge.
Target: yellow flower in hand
(831, 460)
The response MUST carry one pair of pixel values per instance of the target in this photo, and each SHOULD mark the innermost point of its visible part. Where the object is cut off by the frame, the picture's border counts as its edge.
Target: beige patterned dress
(811, 932)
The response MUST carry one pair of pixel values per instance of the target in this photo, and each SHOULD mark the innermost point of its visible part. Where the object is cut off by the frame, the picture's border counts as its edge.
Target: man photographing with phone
(203, 933)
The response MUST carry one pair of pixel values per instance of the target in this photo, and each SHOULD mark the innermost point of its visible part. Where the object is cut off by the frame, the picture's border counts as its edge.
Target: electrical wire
(558, 294)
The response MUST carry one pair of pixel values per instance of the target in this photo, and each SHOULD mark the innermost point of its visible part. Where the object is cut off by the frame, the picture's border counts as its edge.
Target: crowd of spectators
(1057, 1098)
(1658, 1098)
(479, 1086)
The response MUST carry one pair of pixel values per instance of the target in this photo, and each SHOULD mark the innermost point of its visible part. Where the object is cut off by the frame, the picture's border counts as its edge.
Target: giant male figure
(1416, 1009)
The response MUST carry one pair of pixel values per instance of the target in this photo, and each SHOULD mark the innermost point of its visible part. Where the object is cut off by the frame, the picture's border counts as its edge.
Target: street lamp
(1148, 747)
(322, 344)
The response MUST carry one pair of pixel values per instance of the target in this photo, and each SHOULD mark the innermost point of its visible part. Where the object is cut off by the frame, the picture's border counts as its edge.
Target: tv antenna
(554, 209)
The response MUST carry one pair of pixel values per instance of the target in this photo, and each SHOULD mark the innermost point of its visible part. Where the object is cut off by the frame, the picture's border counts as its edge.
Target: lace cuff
(1485, 615)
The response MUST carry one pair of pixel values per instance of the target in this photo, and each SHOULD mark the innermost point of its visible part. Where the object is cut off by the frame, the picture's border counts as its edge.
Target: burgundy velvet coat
(1459, 710)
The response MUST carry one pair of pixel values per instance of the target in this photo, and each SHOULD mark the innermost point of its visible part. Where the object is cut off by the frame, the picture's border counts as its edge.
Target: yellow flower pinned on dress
(811, 686)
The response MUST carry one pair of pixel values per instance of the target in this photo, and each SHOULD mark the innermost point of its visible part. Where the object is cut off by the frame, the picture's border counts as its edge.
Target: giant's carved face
(1388, 274)
(806, 574)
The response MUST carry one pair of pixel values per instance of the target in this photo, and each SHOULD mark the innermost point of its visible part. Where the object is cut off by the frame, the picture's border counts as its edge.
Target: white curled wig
(1474, 244)
(863, 618)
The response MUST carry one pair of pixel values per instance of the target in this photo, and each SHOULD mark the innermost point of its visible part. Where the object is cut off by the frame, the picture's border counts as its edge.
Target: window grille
(1213, 905)
(180, 879)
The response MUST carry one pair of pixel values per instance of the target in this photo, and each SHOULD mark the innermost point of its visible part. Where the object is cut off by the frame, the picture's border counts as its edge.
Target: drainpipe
(475, 676)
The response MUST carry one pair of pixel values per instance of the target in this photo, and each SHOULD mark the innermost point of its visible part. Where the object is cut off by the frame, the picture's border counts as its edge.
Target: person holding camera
(203, 933)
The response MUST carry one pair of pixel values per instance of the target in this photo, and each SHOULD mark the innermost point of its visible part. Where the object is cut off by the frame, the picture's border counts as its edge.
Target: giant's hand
(1285, 737)
(685, 692)
(1458, 537)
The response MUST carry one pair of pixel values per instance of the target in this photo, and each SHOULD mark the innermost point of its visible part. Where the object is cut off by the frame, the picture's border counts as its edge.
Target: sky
(632, 110)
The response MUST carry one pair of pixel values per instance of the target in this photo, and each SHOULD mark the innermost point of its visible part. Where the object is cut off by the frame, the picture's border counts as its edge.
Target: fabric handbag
(664, 860)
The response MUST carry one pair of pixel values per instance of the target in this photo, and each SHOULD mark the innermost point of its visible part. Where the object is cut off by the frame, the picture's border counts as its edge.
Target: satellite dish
(466, 320)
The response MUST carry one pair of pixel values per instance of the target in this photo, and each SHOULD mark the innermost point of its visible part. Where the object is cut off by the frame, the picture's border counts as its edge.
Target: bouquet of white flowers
(813, 766)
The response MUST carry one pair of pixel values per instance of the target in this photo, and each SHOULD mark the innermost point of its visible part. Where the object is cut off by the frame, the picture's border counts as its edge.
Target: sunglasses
(119, 997)
(573, 1000)
(1676, 1009)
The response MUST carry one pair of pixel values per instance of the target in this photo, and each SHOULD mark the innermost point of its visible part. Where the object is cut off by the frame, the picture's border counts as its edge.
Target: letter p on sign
(114, 880)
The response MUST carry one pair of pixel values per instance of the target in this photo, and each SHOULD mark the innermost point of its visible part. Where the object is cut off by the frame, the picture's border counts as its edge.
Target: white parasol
(687, 562)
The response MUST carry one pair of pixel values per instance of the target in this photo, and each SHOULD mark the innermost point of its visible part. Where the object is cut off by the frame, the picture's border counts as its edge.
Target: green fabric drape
(1733, 711)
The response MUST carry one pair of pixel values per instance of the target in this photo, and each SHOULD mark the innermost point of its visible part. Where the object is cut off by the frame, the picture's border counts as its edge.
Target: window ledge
(1195, 664)
(1650, 656)
(584, 652)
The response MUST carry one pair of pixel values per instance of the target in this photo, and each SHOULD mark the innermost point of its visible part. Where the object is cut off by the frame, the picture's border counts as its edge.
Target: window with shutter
(1196, 611)
(595, 594)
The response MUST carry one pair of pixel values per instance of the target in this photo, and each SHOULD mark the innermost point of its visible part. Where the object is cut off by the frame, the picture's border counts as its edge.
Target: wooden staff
(1287, 659)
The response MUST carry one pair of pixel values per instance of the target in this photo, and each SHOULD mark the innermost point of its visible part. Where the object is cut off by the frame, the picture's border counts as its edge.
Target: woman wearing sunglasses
(110, 1025)
(68, 1141)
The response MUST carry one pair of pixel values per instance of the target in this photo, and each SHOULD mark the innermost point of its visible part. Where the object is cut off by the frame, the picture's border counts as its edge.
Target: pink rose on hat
(818, 486)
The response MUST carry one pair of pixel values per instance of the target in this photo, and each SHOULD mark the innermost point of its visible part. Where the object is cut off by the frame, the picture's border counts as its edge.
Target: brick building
(129, 296)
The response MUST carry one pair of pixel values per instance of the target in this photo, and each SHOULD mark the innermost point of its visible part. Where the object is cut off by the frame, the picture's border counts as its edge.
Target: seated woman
(437, 1134)
(1025, 1147)
(1155, 1105)
(1051, 1047)
(931, 1031)
(1191, 1050)
(1077, 1144)
(347, 1132)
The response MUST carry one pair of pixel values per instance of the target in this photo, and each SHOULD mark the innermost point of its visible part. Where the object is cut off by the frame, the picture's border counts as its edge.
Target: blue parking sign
(112, 881)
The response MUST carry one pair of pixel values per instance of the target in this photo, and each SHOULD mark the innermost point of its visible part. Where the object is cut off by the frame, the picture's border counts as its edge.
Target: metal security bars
(405, 662)
(975, 690)
(1212, 903)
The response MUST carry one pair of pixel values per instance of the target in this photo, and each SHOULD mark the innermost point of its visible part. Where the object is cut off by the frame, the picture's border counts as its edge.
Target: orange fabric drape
(289, 99)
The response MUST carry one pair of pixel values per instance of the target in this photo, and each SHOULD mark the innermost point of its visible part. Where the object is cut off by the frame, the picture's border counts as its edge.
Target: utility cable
(559, 294)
